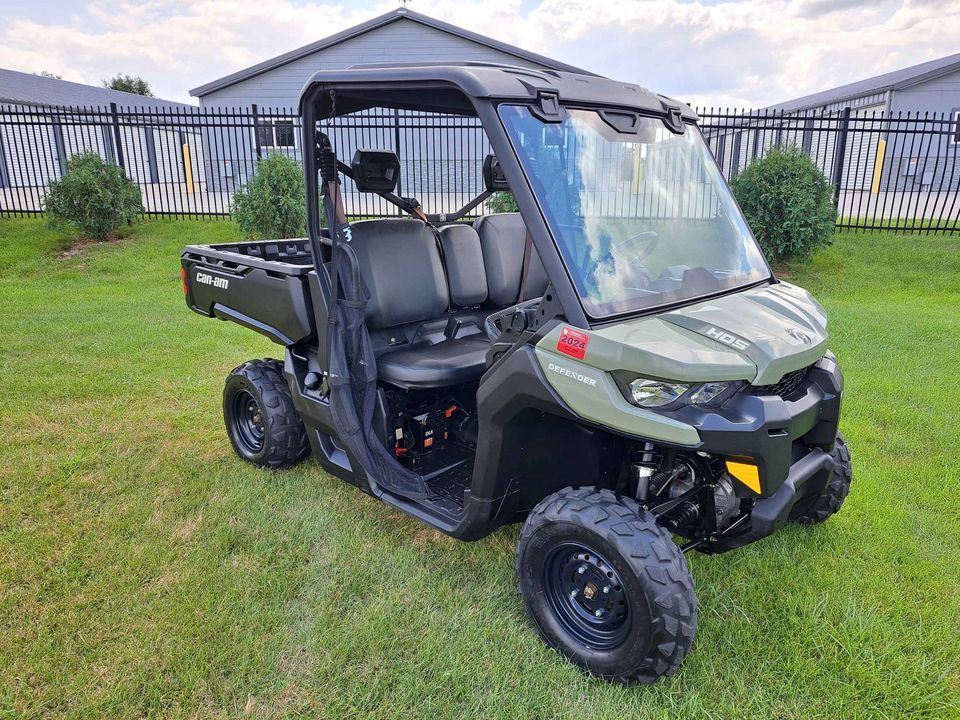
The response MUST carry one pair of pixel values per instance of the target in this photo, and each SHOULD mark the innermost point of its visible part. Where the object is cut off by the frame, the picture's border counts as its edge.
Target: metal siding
(135, 154)
(31, 153)
(169, 156)
(401, 41)
(940, 95)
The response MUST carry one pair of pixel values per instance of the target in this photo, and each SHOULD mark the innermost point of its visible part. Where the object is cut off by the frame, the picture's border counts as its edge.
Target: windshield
(642, 218)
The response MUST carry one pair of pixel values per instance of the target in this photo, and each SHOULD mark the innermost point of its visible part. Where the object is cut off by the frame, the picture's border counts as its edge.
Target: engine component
(421, 431)
(725, 502)
(683, 517)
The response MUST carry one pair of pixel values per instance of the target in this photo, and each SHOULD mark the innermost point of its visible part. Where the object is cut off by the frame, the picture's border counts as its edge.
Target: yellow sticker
(748, 474)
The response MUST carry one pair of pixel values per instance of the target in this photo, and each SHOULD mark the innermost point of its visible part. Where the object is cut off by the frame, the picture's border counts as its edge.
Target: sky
(744, 53)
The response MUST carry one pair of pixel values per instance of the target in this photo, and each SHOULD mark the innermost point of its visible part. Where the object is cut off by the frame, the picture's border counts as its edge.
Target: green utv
(614, 366)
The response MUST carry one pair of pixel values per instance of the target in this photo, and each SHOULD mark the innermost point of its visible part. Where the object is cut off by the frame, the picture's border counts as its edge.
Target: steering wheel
(498, 322)
(629, 254)
(642, 243)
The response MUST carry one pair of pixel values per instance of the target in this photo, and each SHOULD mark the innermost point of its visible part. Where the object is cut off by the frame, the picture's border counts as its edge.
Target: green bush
(95, 198)
(272, 205)
(502, 202)
(788, 203)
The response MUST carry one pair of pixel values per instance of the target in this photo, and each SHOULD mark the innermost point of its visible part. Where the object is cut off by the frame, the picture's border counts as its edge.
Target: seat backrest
(463, 258)
(502, 239)
(401, 270)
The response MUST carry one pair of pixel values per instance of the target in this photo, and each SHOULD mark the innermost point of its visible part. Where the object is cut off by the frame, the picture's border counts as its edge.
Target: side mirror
(493, 177)
(375, 171)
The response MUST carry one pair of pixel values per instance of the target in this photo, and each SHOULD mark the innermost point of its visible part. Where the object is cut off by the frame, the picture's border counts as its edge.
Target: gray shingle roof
(380, 21)
(896, 80)
(28, 89)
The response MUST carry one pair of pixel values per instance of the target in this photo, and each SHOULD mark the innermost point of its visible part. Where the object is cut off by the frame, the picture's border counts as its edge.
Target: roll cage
(472, 90)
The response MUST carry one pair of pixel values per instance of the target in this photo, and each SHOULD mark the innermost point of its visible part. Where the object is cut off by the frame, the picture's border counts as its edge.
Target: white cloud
(742, 53)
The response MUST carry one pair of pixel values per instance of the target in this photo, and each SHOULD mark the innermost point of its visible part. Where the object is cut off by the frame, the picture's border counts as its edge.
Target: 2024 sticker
(573, 343)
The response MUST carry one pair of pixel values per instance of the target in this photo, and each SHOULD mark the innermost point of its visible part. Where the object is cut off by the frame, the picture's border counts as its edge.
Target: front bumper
(789, 440)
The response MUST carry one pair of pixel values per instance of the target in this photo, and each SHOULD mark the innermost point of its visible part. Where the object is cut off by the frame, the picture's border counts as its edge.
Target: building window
(274, 133)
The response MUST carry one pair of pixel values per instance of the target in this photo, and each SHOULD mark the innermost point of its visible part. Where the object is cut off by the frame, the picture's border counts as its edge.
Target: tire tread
(650, 552)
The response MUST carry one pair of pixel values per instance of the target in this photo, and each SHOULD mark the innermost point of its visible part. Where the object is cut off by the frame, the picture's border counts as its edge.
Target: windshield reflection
(641, 219)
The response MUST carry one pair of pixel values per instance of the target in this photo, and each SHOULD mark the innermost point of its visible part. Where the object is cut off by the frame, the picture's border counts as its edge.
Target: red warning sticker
(573, 343)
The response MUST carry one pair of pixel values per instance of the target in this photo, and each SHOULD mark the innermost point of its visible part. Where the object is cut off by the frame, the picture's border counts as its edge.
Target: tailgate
(269, 297)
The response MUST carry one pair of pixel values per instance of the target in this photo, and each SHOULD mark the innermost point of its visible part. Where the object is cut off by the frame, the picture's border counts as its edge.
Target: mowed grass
(146, 572)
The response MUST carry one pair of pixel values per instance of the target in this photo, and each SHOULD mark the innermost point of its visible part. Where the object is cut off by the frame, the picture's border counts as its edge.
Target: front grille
(789, 386)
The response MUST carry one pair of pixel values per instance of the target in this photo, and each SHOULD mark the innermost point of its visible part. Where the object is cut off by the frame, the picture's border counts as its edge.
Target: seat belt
(527, 250)
(419, 214)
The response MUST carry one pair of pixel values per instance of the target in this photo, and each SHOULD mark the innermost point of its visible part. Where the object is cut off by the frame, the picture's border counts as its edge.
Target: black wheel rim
(587, 596)
(248, 422)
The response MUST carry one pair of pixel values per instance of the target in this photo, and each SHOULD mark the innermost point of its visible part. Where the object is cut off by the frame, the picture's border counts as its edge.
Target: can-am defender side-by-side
(613, 366)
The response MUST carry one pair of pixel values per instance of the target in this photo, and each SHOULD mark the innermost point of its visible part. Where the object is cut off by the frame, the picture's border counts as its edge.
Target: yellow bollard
(878, 167)
(188, 168)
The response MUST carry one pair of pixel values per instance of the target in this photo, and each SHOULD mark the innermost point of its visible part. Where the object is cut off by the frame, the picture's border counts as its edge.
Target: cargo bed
(261, 285)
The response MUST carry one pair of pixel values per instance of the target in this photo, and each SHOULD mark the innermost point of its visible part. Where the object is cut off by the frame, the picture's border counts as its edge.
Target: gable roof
(28, 89)
(373, 24)
(896, 80)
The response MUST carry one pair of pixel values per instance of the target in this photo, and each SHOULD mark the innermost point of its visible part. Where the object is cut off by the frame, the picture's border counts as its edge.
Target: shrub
(502, 202)
(95, 198)
(272, 204)
(788, 203)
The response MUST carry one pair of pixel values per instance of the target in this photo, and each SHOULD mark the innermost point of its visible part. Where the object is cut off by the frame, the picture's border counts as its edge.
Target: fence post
(396, 144)
(256, 130)
(839, 153)
(117, 137)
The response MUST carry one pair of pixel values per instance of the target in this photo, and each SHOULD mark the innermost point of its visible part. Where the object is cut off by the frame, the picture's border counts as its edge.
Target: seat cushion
(401, 270)
(450, 362)
(464, 260)
(502, 240)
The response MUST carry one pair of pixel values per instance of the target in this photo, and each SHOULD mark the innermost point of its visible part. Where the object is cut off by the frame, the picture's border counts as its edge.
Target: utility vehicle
(615, 365)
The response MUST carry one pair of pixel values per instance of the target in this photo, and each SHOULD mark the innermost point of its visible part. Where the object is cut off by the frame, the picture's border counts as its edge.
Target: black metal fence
(897, 171)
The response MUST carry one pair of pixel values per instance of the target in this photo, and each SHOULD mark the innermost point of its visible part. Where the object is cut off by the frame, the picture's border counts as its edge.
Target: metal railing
(897, 171)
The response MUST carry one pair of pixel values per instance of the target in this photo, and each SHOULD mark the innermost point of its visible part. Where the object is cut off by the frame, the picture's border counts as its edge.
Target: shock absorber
(685, 516)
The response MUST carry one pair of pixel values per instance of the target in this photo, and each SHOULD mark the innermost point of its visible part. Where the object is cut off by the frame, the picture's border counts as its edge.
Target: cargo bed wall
(262, 286)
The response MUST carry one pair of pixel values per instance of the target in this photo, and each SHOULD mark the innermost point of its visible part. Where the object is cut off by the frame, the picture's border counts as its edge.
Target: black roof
(392, 86)
(373, 24)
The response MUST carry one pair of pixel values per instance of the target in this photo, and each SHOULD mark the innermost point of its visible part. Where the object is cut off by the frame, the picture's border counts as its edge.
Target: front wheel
(261, 421)
(829, 500)
(606, 586)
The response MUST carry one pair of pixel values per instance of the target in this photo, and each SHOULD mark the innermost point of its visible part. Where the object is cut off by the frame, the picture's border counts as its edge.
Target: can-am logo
(800, 336)
(572, 374)
(215, 281)
(726, 338)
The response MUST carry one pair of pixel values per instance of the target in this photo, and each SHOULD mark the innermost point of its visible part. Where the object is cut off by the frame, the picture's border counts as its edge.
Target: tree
(129, 83)
(48, 74)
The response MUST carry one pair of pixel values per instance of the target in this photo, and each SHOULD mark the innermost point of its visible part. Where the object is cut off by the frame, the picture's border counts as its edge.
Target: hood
(756, 335)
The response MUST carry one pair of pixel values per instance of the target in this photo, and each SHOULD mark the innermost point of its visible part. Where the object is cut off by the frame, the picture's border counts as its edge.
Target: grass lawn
(146, 572)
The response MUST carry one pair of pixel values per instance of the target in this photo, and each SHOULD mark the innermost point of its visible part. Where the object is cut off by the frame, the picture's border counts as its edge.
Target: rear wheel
(829, 500)
(262, 423)
(606, 586)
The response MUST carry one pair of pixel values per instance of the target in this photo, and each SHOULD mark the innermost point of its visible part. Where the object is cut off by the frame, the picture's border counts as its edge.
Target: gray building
(899, 133)
(394, 37)
(274, 86)
(932, 86)
(44, 121)
(929, 90)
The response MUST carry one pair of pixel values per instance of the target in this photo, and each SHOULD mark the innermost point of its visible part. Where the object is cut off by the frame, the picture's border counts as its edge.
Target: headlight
(648, 393)
(653, 393)
(708, 392)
